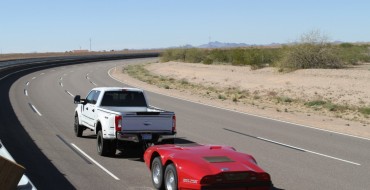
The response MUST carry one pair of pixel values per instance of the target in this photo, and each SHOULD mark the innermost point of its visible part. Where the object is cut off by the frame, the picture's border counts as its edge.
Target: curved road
(297, 157)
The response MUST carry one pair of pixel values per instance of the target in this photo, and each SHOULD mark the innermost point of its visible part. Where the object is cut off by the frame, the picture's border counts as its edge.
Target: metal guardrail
(8, 63)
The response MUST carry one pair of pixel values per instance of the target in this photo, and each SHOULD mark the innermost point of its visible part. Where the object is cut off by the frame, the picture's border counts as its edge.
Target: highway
(37, 128)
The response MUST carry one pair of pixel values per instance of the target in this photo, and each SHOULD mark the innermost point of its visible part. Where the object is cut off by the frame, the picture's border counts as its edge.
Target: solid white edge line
(263, 117)
(95, 162)
(69, 93)
(309, 151)
(37, 111)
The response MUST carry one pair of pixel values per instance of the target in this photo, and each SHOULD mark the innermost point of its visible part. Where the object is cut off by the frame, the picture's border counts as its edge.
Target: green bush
(365, 110)
(312, 51)
(256, 57)
(354, 54)
(194, 55)
(315, 103)
(207, 61)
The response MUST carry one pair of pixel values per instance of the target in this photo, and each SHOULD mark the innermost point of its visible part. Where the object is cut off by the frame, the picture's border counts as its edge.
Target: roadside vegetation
(312, 50)
(254, 98)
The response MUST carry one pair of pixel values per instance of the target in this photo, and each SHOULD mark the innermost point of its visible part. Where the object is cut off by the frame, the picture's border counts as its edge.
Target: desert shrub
(173, 55)
(219, 55)
(194, 55)
(365, 110)
(315, 103)
(313, 51)
(284, 99)
(235, 56)
(354, 54)
(207, 61)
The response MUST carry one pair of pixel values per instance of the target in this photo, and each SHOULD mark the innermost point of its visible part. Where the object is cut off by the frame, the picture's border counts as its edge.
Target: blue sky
(47, 26)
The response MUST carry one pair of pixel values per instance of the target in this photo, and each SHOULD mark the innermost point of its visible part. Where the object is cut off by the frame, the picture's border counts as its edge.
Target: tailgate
(147, 122)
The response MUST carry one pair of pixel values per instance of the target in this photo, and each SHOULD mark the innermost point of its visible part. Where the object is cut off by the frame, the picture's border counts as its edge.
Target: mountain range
(217, 44)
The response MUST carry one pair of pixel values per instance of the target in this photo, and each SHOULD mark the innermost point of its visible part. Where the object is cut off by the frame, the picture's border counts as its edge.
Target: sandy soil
(346, 87)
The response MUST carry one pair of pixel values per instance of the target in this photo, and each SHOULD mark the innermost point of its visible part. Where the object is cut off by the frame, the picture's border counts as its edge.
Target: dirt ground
(350, 87)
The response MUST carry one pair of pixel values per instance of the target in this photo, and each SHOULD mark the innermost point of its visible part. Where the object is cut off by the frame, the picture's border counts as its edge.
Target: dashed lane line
(95, 162)
(293, 147)
(34, 109)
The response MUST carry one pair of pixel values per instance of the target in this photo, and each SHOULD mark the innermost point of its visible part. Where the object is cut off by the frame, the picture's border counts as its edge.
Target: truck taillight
(118, 123)
(174, 123)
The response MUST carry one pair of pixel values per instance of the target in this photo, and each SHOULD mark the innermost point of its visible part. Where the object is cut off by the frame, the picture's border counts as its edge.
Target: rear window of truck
(124, 99)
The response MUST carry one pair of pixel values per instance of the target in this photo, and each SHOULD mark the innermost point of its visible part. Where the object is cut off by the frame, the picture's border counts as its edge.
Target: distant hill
(217, 44)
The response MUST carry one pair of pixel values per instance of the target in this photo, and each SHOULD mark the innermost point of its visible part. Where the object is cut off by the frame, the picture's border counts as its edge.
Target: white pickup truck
(122, 115)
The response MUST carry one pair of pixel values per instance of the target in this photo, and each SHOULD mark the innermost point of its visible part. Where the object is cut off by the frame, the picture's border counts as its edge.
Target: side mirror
(77, 99)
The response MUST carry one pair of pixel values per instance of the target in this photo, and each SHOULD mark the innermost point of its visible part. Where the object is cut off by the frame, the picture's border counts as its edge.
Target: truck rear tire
(77, 127)
(105, 147)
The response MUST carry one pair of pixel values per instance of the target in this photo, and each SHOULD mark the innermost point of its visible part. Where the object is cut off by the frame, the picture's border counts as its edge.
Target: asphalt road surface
(37, 129)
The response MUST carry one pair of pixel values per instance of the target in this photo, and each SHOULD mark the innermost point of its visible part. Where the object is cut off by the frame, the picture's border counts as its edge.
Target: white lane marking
(28, 83)
(52, 70)
(25, 92)
(95, 162)
(61, 84)
(69, 93)
(42, 73)
(263, 117)
(61, 78)
(33, 78)
(309, 151)
(93, 83)
(34, 109)
(87, 78)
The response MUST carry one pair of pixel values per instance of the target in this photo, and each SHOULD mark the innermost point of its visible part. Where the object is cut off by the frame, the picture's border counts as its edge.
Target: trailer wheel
(157, 173)
(170, 177)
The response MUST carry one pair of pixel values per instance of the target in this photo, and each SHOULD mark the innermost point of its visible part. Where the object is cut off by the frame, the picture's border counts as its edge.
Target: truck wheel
(105, 147)
(170, 177)
(157, 173)
(78, 128)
